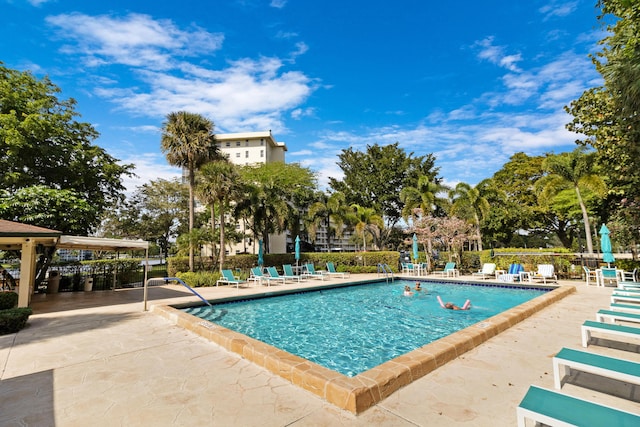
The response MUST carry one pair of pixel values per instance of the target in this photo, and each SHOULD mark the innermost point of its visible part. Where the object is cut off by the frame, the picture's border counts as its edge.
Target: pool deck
(98, 359)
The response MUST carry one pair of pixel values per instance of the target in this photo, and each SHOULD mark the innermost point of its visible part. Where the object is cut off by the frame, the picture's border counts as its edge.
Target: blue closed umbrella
(605, 246)
(297, 249)
(415, 247)
(260, 253)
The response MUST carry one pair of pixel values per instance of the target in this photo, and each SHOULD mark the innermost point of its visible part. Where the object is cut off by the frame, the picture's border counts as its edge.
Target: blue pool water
(355, 328)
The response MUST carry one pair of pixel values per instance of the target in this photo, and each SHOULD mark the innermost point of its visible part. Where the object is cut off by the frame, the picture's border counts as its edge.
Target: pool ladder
(174, 279)
(387, 271)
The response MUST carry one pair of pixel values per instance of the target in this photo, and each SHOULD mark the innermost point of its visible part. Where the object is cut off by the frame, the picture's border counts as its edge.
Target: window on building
(261, 141)
(227, 144)
(246, 154)
(238, 144)
(261, 153)
(238, 154)
(246, 143)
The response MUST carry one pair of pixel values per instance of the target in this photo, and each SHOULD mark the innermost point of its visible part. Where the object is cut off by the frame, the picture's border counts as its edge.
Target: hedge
(8, 300)
(13, 319)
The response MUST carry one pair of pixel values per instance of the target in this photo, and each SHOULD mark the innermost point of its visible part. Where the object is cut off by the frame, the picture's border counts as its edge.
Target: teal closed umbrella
(297, 249)
(260, 253)
(605, 246)
(415, 247)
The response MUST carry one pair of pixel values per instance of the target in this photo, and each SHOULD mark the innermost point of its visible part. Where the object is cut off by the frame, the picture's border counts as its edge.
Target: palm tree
(188, 142)
(365, 220)
(575, 170)
(329, 210)
(218, 182)
(469, 202)
(423, 196)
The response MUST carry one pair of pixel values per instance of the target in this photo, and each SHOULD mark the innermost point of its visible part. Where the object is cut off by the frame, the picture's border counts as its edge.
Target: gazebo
(26, 238)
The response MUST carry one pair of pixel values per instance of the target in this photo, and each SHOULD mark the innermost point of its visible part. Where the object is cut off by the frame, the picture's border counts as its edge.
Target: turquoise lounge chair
(450, 270)
(311, 272)
(273, 274)
(632, 308)
(608, 367)
(229, 279)
(590, 326)
(258, 276)
(616, 297)
(331, 271)
(613, 316)
(553, 408)
(288, 273)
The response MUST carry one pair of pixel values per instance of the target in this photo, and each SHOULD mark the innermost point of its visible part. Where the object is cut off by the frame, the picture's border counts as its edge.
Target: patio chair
(545, 272)
(488, 270)
(608, 275)
(629, 276)
(553, 408)
(331, 271)
(311, 272)
(229, 279)
(608, 367)
(258, 276)
(590, 326)
(449, 270)
(288, 273)
(274, 275)
(590, 275)
(513, 274)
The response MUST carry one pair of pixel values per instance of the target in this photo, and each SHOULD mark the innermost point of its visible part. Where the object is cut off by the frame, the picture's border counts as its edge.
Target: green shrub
(8, 300)
(13, 320)
(199, 278)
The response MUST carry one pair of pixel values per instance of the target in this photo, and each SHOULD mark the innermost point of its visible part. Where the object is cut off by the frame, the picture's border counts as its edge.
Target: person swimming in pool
(407, 291)
(452, 306)
(418, 287)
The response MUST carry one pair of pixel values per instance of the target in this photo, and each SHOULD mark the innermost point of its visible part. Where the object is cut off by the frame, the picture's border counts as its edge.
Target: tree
(155, 212)
(470, 203)
(52, 174)
(271, 192)
(366, 220)
(375, 178)
(188, 142)
(219, 182)
(575, 170)
(330, 211)
(424, 196)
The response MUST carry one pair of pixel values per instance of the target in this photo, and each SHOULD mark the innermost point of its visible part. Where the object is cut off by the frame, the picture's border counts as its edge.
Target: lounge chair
(258, 276)
(590, 326)
(545, 272)
(488, 270)
(513, 274)
(273, 274)
(613, 316)
(331, 271)
(590, 275)
(620, 297)
(311, 272)
(288, 273)
(631, 308)
(610, 275)
(449, 270)
(608, 367)
(229, 279)
(558, 409)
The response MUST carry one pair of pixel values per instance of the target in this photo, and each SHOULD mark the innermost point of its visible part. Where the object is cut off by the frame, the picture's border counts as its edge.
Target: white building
(247, 148)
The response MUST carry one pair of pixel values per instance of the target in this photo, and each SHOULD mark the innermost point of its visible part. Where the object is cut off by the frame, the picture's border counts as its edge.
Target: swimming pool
(358, 393)
(353, 329)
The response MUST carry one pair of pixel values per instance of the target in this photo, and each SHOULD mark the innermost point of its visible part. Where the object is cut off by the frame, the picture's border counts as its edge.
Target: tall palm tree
(423, 196)
(330, 211)
(469, 203)
(365, 220)
(188, 142)
(218, 182)
(575, 170)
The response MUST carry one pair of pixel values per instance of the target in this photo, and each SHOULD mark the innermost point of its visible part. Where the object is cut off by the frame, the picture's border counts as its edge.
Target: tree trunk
(585, 219)
(221, 235)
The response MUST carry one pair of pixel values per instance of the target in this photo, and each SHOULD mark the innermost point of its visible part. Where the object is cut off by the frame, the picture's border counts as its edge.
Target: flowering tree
(450, 233)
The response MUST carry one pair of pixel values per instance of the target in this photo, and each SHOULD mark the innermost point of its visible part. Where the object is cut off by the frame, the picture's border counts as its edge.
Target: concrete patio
(98, 359)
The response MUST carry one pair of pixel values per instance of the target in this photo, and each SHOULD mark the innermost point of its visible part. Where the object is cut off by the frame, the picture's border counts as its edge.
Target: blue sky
(470, 82)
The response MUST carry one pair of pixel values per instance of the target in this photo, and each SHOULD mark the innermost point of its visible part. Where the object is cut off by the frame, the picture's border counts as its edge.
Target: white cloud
(149, 166)
(496, 54)
(558, 8)
(278, 3)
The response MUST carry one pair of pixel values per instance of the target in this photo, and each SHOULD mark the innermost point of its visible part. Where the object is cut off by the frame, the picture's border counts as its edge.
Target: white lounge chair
(288, 273)
(273, 274)
(488, 270)
(311, 272)
(631, 308)
(609, 367)
(557, 409)
(590, 326)
(331, 271)
(621, 297)
(258, 276)
(590, 275)
(545, 272)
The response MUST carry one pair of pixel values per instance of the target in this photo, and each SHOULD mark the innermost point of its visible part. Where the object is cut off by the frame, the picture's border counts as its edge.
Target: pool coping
(356, 394)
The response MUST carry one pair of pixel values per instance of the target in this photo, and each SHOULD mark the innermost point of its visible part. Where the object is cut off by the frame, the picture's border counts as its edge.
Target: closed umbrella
(297, 250)
(415, 247)
(260, 254)
(605, 246)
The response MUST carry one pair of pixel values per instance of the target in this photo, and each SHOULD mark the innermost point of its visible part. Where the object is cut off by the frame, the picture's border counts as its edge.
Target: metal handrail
(172, 279)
